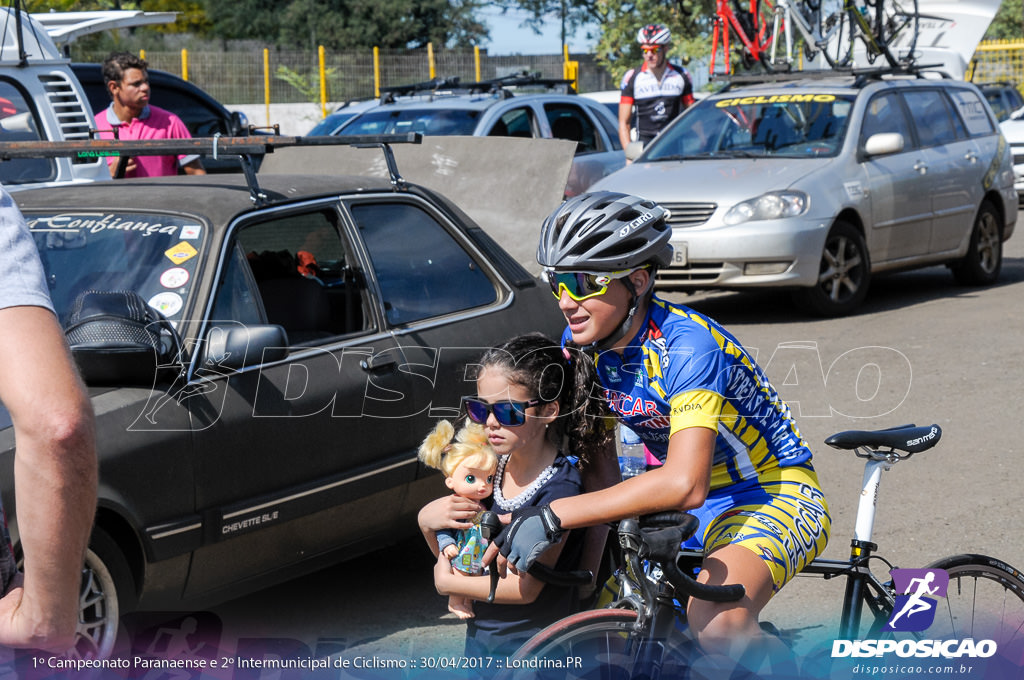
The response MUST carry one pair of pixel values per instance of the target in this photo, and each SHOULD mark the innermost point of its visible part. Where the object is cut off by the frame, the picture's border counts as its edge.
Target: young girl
(529, 401)
(468, 463)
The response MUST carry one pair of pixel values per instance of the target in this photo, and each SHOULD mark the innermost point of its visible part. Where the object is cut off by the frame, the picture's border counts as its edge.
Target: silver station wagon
(817, 184)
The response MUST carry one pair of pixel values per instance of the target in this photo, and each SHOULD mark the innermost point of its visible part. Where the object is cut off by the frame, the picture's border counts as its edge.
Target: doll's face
(471, 482)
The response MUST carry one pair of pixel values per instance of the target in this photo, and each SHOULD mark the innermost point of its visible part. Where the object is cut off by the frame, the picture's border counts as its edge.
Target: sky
(508, 38)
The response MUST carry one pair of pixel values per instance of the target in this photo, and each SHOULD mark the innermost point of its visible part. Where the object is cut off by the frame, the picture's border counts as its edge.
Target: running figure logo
(914, 610)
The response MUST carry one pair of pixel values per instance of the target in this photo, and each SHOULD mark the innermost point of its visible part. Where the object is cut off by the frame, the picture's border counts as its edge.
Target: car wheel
(104, 577)
(984, 259)
(844, 274)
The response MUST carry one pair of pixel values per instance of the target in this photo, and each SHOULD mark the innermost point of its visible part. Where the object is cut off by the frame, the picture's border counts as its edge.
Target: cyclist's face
(493, 385)
(596, 318)
(471, 482)
(654, 55)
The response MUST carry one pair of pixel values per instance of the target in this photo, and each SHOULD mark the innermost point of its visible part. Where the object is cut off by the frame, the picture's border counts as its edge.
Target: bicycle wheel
(834, 33)
(896, 28)
(984, 601)
(599, 644)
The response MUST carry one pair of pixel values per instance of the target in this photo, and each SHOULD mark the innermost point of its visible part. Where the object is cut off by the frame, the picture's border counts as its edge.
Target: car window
(18, 123)
(933, 117)
(154, 255)
(303, 274)
(421, 270)
(783, 125)
(611, 129)
(200, 119)
(424, 121)
(516, 122)
(885, 114)
(998, 103)
(973, 113)
(570, 122)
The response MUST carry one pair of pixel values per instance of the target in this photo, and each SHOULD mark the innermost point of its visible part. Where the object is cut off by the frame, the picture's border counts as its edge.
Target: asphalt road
(922, 350)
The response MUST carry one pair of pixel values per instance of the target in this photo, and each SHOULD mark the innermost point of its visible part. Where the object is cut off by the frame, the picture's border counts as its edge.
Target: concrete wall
(294, 119)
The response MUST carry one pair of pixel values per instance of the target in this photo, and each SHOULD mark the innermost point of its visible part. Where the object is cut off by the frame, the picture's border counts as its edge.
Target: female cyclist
(731, 453)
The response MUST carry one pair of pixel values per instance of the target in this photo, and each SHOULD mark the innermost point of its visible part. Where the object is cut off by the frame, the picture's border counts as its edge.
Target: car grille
(689, 275)
(689, 214)
(74, 122)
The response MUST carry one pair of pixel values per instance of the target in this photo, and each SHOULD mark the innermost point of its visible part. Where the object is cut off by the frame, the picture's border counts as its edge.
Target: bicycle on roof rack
(644, 633)
(832, 28)
(749, 26)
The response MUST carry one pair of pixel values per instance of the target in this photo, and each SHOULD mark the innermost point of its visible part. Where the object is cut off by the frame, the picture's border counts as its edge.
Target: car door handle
(971, 157)
(377, 362)
(922, 168)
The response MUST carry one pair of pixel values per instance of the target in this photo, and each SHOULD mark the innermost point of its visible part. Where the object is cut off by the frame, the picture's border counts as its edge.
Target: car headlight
(770, 206)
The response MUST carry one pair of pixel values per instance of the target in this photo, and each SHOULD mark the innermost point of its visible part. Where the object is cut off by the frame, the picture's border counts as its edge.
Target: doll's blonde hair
(445, 450)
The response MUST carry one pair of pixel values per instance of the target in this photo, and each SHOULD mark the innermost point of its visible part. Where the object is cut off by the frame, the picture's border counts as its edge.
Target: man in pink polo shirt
(131, 116)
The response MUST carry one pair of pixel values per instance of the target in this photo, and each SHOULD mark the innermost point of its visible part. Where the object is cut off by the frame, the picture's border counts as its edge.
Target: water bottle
(632, 458)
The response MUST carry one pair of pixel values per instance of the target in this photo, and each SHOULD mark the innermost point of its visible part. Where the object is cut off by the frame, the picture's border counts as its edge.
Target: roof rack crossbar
(242, 148)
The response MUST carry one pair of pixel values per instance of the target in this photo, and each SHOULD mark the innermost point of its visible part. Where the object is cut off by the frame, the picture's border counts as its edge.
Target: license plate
(679, 254)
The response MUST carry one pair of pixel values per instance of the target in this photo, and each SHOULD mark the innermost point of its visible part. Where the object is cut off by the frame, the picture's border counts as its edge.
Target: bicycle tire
(599, 644)
(835, 33)
(984, 601)
(896, 30)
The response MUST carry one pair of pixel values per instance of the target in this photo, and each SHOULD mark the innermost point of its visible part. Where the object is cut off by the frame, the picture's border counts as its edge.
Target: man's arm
(194, 168)
(55, 473)
(625, 114)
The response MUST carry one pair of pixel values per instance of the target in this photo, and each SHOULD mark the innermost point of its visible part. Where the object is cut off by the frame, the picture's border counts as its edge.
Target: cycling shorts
(781, 515)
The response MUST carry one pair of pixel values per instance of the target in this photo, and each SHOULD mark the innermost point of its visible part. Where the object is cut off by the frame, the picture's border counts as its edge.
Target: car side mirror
(232, 347)
(633, 150)
(239, 124)
(883, 143)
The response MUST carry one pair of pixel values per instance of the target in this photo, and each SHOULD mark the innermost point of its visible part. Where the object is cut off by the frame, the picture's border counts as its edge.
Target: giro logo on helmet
(643, 219)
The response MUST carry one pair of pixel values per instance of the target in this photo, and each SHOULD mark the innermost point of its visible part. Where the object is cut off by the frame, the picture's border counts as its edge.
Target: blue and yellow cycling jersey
(684, 370)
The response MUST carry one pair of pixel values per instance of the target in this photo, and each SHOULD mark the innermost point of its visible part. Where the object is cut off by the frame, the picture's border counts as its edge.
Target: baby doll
(468, 463)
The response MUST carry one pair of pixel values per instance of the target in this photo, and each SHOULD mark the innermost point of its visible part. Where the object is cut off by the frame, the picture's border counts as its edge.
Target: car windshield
(153, 255)
(785, 125)
(424, 121)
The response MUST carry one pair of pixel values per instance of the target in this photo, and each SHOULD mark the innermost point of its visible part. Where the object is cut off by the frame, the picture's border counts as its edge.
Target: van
(41, 100)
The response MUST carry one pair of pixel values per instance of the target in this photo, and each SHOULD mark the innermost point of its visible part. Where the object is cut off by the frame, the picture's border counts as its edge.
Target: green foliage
(1009, 22)
(307, 84)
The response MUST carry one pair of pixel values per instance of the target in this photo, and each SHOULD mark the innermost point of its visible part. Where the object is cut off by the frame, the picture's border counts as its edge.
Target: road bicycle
(749, 25)
(644, 634)
(831, 28)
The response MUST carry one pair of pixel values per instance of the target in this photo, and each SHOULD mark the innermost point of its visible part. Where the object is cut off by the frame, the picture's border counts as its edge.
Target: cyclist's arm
(625, 114)
(518, 588)
(682, 483)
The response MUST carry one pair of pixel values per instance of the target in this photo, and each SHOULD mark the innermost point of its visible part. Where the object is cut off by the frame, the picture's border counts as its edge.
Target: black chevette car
(320, 326)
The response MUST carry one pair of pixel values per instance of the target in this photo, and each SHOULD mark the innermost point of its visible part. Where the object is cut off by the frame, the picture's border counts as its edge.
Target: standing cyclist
(658, 90)
(731, 453)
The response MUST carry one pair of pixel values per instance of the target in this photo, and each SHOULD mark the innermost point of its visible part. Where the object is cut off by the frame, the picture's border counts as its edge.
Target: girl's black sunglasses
(507, 413)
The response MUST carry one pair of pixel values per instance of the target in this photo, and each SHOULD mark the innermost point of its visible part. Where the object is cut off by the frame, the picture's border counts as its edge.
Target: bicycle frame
(725, 18)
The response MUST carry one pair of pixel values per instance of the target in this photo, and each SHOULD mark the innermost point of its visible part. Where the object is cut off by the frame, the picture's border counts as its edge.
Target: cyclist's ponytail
(554, 374)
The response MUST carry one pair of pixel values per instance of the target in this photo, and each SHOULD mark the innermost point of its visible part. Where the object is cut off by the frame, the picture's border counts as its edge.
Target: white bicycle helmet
(654, 34)
(605, 231)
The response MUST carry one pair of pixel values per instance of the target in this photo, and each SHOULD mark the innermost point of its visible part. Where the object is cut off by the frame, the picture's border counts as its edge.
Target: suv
(41, 100)
(497, 109)
(1003, 97)
(266, 423)
(203, 115)
(818, 183)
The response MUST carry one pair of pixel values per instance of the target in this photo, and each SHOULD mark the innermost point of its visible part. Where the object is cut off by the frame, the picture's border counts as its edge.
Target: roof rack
(862, 75)
(243, 148)
(454, 85)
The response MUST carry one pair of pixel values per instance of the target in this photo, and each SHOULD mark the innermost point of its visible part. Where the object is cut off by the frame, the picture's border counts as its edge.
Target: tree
(1008, 23)
(618, 21)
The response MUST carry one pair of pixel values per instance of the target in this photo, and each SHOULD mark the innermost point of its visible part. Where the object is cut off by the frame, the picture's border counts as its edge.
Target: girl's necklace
(527, 493)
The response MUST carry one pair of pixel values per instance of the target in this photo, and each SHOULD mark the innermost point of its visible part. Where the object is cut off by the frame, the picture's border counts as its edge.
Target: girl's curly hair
(568, 377)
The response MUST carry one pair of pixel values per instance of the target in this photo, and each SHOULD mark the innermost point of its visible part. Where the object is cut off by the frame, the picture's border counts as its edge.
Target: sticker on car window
(775, 99)
(167, 304)
(181, 253)
(175, 277)
(191, 232)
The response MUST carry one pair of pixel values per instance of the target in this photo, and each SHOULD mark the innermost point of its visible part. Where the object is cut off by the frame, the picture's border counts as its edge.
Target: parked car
(1003, 97)
(494, 108)
(41, 100)
(203, 115)
(1013, 129)
(270, 425)
(337, 119)
(817, 184)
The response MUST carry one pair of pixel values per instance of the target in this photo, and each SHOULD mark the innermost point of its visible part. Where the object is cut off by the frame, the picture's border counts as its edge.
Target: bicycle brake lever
(490, 527)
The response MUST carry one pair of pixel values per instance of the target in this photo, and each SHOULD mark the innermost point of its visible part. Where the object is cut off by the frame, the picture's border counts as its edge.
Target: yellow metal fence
(999, 60)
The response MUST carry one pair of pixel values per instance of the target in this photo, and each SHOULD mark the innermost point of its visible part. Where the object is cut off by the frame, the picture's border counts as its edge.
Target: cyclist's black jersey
(657, 102)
